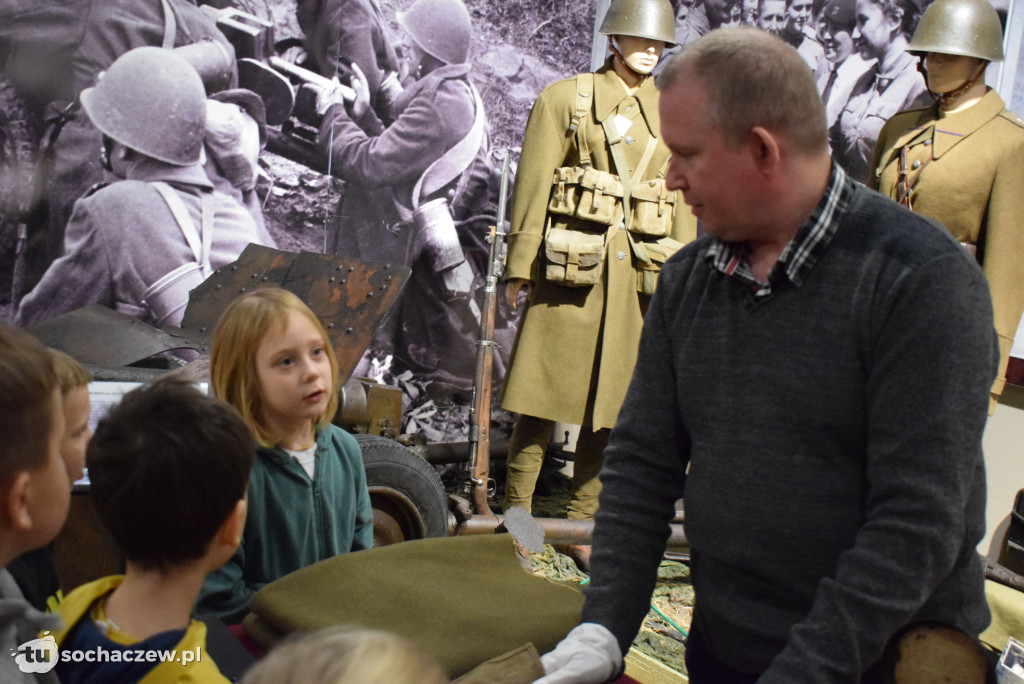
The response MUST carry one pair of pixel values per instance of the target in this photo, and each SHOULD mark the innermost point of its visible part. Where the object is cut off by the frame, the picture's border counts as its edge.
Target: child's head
(169, 467)
(73, 380)
(272, 360)
(34, 488)
(343, 655)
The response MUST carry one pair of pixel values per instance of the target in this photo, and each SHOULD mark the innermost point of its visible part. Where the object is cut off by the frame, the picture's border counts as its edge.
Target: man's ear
(15, 501)
(764, 148)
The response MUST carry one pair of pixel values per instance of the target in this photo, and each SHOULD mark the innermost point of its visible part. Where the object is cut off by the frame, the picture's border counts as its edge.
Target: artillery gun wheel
(406, 492)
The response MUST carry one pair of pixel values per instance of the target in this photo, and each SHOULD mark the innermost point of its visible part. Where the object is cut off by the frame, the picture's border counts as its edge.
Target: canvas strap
(615, 143)
(451, 164)
(170, 25)
(166, 298)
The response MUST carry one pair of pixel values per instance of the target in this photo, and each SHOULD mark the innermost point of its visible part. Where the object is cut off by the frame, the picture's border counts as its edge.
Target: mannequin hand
(512, 289)
(589, 654)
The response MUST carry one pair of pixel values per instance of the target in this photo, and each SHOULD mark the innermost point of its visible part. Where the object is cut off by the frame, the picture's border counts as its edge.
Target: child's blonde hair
(70, 374)
(241, 329)
(343, 655)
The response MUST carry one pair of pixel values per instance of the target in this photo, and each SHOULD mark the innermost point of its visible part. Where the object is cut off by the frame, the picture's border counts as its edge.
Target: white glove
(331, 95)
(589, 654)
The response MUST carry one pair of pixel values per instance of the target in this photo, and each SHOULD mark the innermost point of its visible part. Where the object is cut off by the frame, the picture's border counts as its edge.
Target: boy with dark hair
(34, 487)
(169, 468)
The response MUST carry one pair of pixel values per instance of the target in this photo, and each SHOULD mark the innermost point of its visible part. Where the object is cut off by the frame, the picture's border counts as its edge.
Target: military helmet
(969, 28)
(651, 19)
(440, 27)
(153, 101)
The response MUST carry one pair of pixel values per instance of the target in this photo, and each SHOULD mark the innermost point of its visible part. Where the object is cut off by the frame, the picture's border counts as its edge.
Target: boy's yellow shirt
(87, 602)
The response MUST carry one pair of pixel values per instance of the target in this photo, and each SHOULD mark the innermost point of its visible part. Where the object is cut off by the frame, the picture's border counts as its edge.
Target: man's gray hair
(753, 79)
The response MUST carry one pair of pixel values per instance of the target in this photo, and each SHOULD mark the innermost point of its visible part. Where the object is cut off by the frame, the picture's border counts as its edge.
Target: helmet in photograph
(651, 19)
(440, 27)
(968, 28)
(153, 101)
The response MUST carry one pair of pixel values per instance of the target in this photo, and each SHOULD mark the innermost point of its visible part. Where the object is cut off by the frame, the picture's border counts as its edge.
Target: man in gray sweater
(813, 382)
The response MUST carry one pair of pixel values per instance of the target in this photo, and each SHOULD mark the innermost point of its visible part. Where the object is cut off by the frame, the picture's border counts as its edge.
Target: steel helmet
(651, 19)
(440, 27)
(969, 28)
(153, 101)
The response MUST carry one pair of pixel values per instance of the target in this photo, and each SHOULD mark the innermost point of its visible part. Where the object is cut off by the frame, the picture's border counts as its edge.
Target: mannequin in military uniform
(961, 160)
(577, 344)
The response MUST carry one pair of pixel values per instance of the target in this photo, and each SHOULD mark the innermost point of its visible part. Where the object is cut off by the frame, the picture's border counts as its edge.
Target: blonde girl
(272, 360)
(344, 655)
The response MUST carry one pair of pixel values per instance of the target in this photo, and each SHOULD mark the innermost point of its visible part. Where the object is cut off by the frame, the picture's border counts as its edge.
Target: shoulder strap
(1012, 117)
(170, 25)
(584, 96)
(578, 120)
(615, 147)
(456, 160)
(199, 242)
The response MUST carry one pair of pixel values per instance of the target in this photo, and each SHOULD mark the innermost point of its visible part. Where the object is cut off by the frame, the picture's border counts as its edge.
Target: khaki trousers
(526, 449)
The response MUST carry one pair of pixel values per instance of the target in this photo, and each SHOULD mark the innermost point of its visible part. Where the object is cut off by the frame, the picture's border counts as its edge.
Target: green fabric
(463, 600)
(519, 666)
(1007, 606)
(293, 521)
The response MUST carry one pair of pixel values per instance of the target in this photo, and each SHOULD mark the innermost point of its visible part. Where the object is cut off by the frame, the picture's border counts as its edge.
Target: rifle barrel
(480, 416)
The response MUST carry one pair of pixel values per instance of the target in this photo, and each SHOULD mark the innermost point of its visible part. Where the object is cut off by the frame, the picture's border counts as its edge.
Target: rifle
(480, 413)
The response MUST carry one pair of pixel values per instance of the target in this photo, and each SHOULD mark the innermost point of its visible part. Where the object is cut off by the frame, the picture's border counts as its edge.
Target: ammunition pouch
(652, 208)
(657, 252)
(586, 193)
(574, 257)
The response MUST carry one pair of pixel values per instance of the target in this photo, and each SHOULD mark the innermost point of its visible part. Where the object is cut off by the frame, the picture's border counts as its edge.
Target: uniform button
(621, 255)
(927, 141)
(916, 164)
(622, 225)
(629, 140)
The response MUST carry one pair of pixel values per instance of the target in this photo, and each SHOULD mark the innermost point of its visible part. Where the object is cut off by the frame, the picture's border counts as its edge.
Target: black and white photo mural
(423, 100)
(393, 153)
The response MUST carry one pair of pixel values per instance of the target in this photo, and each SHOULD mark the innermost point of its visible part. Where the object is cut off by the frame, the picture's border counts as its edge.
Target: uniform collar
(151, 170)
(609, 90)
(944, 133)
(951, 129)
(431, 82)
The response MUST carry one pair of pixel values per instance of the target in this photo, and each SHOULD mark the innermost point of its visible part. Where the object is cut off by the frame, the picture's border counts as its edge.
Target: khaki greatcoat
(972, 181)
(576, 346)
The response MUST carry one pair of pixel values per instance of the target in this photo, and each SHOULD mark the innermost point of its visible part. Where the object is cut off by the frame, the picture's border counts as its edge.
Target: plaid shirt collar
(802, 252)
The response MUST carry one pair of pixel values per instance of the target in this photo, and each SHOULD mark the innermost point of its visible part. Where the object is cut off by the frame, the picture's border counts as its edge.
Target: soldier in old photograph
(406, 185)
(103, 30)
(339, 33)
(140, 243)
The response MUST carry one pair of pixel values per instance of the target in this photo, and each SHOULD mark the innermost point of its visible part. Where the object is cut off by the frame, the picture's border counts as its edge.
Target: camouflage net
(673, 595)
